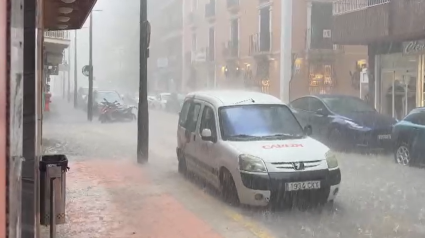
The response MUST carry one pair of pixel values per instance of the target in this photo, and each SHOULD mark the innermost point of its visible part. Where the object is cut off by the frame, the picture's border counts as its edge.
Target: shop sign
(414, 47)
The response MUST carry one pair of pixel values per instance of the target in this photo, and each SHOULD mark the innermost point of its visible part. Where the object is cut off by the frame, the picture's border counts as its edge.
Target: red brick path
(114, 199)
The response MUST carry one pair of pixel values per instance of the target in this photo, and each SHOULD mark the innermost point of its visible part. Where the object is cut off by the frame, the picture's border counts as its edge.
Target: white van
(250, 146)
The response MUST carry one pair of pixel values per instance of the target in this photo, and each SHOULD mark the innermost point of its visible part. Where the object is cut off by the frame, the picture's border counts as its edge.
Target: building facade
(394, 33)
(236, 44)
(23, 55)
(165, 61)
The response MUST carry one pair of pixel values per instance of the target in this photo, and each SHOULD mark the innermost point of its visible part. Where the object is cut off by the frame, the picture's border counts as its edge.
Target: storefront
(400, 79)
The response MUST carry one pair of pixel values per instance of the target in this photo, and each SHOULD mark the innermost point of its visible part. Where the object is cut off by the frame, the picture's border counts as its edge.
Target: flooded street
(110, 195)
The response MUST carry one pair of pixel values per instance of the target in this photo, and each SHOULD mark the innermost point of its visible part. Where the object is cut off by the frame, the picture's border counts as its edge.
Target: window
(315, 105)
(301, 103)
(192, 117)
(344, 105)
(194, 43)
(266, 122)
(416, 118)
(184, 112)
(194, 5)
(208, 121)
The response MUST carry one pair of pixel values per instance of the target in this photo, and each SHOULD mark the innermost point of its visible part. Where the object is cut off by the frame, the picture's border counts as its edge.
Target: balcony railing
(260, 43)
(346, 6)
(210, 9)
(232, 3)
(64, 35)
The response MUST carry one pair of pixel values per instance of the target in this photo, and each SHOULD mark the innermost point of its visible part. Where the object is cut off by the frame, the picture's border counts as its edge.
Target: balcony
(231, 49)
(361, 22)
(233, 5)
(260, 43)
(55, 42)
(210, 11)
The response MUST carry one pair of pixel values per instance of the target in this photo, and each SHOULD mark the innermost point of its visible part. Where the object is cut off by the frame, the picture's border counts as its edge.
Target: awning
(66, 14)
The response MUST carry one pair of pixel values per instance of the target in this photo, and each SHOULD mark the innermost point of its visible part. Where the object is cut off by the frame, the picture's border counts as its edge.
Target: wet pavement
(109, 195)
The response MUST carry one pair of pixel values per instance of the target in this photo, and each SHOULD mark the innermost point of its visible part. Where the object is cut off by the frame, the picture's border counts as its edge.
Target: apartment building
(236, 44)
(394, 33)
(165, 62)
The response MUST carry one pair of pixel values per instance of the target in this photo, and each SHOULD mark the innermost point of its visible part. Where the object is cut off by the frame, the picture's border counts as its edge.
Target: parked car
(161, 101)
(174, 103)
(409, 139)
(344, 122)
(251, 147)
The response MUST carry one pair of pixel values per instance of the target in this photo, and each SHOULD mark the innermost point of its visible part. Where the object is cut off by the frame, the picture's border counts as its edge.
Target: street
(110, 195)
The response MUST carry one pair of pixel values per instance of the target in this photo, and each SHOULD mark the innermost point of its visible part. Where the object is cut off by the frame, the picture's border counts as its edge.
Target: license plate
(308, 185)
(384, 137)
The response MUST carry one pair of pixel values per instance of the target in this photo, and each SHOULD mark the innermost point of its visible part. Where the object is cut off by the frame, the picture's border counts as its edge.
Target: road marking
(251, 226)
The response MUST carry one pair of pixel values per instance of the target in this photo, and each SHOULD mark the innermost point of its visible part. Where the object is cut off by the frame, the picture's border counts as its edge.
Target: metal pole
(69, 75)
(143, 116)
(75, 70)
(63, 84)
(52, 209)
(406, 95)
(90, 95)
(393, 96)
(285, 49)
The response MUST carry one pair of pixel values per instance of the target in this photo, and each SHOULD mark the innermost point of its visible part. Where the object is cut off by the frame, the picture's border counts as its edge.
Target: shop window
(321, 79)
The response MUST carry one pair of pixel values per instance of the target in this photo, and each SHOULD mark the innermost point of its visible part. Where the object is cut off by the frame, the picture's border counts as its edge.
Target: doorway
(398, 91)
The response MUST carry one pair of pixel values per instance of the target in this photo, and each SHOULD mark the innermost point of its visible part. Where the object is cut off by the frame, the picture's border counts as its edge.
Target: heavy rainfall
(266, 119)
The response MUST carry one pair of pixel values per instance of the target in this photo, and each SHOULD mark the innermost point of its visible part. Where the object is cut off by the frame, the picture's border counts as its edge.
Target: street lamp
(90, 94)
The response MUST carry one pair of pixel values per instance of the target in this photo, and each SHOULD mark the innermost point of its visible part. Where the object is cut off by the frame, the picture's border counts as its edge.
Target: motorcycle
(114, 112)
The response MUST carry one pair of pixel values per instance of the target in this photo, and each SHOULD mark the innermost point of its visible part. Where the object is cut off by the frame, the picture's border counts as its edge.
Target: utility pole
(63, 82)
(143, 113)
(90, 94)
(285, 50)
(69, 75)
(75, 70)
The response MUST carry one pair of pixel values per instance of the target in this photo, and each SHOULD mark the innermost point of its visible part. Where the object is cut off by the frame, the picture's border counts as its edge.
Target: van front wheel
(182, 165)
(228, 188)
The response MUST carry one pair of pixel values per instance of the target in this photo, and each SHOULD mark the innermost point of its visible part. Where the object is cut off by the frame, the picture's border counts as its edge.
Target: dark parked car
(344, 122)
(409, 139)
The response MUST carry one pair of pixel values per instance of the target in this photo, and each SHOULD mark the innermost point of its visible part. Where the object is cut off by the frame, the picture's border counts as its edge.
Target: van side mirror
(206, 135)
(308, 130)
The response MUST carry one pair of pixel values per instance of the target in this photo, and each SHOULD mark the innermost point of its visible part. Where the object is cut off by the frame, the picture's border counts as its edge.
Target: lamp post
(90, 94)
(285, 49)
(75, 71)
(143, 113)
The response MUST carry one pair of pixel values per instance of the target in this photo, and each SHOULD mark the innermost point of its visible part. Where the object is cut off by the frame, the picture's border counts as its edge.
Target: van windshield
(258, 122)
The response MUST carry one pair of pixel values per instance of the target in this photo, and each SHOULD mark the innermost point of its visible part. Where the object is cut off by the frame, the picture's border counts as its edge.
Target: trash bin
(53, 170)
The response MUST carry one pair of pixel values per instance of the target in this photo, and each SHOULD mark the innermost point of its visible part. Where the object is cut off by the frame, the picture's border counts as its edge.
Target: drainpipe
(285, 49)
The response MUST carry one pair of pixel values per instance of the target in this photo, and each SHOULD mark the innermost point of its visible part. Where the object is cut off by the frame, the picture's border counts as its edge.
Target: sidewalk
(110, 196)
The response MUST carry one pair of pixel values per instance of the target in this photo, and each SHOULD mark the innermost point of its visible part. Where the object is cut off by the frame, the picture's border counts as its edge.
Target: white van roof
(220, 98)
